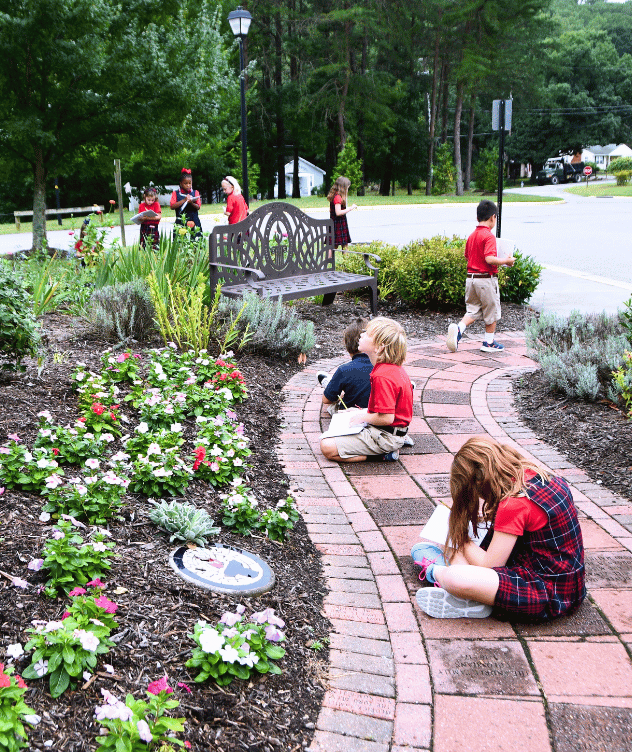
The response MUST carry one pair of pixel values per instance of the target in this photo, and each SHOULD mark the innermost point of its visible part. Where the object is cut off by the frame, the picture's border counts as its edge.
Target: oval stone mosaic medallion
(223, 569)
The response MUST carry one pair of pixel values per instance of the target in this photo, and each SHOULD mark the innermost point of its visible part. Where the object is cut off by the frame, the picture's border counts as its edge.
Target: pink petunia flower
(77, 591)
(14, 437)
(158, 686)
(95, 583)
(108, 606)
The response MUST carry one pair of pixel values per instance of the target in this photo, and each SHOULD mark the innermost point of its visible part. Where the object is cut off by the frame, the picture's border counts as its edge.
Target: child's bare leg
(466, 581)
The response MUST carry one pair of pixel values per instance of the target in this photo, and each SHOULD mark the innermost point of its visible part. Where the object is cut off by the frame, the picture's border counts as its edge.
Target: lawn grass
(601, 190)
(71, 223)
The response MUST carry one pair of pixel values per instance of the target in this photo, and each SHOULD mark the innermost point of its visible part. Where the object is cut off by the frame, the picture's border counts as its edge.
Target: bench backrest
(278, 239)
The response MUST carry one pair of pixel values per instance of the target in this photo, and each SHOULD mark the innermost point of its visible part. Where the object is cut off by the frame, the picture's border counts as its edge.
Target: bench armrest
(245, 269)
(366, 257)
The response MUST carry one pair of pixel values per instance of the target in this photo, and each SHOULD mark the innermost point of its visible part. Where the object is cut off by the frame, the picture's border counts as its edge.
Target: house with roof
(309, 177)
(603, 155)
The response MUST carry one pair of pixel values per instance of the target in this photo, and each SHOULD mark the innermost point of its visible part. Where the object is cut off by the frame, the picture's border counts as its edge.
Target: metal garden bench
(281, 252)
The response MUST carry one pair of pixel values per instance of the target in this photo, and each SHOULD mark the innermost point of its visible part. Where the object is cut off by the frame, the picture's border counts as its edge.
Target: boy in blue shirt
(350, 386)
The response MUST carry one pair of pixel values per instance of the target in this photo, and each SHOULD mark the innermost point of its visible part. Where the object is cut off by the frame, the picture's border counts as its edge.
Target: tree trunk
(433, 116)
(457, 139)
(280, 122)
(345, 88)
(39, 201)
(470, 142)
(296, 186)
(444, 105)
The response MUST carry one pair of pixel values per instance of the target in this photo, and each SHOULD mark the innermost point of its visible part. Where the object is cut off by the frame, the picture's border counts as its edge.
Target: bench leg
(374, 300)
(329, 298)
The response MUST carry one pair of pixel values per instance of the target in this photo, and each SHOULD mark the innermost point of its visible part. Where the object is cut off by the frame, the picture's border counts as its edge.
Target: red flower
(220, 363)
(55, 451)
(222, 376)
(97, 408)
(66, 615)
(81, 420)
(187, 744)
(21, 683)
(200, 454)
(115, 407)
(112, 201)
(113, 417)
(191, 224)
(5, 680)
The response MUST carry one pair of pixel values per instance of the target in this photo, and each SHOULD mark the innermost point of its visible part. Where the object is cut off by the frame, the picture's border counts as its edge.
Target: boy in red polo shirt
(482, 298)
(390, 407)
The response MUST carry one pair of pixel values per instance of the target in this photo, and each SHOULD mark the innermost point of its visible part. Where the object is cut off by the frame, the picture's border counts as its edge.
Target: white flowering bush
(26, 470)
(139, 725)
(70, 445)
(159, 473)
(67, 650)
(235, 648)
(161, 408)
(166, 438)
(277, 522)
(240, 508)
(95, 498)
(69, 561)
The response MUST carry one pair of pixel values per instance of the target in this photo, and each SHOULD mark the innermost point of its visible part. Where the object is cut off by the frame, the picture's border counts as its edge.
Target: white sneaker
(439, 603)
(323, 378)
(452, 340)
(408, 441)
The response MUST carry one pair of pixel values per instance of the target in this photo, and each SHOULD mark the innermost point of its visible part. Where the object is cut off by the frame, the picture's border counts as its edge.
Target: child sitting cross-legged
(529, 566)
(390, 407)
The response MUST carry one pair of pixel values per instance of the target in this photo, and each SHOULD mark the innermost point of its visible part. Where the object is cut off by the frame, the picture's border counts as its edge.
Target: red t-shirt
(518, 514)
(236, 207)
(481, 243)
(155, 207)
(391, 392)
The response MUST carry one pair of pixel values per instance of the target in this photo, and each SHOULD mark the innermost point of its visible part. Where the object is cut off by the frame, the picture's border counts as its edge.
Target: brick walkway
(399, 680)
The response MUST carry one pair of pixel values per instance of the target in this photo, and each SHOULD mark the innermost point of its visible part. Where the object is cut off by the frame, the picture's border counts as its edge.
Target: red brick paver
(400, 681)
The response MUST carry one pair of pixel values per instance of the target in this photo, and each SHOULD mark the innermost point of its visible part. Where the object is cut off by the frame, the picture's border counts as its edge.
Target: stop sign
(587, 170)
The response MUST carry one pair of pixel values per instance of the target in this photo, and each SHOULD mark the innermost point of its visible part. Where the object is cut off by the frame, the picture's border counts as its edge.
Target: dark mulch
(160, 609)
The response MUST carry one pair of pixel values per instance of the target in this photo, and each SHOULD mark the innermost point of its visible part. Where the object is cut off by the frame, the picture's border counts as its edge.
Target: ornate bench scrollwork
(283, 253)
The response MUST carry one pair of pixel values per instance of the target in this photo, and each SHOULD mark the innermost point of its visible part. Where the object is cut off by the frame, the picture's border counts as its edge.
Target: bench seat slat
(302, 285)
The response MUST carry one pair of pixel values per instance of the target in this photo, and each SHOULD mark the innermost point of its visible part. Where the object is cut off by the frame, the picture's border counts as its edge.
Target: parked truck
(560, 170)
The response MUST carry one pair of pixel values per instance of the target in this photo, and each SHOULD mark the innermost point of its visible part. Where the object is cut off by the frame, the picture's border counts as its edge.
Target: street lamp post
(239, 20)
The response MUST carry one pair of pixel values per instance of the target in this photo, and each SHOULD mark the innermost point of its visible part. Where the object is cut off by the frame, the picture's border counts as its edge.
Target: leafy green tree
(486, 170)
(349, 166)
(444, 173)
(81, 73)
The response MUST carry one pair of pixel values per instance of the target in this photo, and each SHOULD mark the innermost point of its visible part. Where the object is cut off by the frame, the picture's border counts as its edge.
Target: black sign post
(501, 122)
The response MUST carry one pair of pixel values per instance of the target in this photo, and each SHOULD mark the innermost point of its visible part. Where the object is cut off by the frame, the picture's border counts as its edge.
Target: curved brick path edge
(399, 680)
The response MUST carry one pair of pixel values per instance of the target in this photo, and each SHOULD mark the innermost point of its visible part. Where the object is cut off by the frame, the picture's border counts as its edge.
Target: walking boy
(482, 298)
(390, 408)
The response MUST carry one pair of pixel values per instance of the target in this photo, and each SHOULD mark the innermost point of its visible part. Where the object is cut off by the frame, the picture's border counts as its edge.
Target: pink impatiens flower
(77, 591)
(105, 604)
(230, 619)
(184, 686)
(35, 565)
(14, 437)
(158, 686)
(95, 583)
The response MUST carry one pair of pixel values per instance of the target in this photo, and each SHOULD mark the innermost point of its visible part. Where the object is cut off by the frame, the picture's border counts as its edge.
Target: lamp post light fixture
(239, 20)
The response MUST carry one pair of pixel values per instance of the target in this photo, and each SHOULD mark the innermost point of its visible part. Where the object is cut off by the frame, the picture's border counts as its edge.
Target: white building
(603, 155)
(309, 177)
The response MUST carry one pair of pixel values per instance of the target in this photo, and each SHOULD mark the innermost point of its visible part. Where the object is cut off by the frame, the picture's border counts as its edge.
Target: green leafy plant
(69, 445)
(71, 562)
(276, 522)
(269, 326)
(28, 471)
(623, 176)
(121, 311)
(14, 712)
(139, 725)
(349, 166)
(239, 509)
(185, 522)
(19, 331)
(221, 373)
(235, 649)
(221, 451)
(160, 473)
(625, 319)
(122, 367)
(92, 246)
(143, 438)
(620, 164)
(622, 378)
(68, 650)
(95, 500)
(517, 283)
(578, 353)
(444, 174)
(485, 170)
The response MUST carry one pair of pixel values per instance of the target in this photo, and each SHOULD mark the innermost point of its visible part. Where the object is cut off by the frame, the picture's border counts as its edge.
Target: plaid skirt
(341, 232)
(149, 232)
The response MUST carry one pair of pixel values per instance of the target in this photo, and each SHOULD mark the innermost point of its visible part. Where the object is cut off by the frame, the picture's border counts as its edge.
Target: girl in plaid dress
(338, 211)
(530, 564)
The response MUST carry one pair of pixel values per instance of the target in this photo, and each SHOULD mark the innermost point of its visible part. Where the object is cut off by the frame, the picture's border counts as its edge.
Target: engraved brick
(363, 704)
(367, 664)
(354, 724)
(367, 615)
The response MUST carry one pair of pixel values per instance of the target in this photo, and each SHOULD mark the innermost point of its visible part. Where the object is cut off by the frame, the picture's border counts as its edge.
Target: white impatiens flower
(46, 415)
(43, 463)
(176, 427)
(92, 463)
(46, 432)
(99, 546)
(41, 668)
(229, 654)
(142, 427)
(211, 640)
(107, 437)
(154, 448)
(44, 517)
(15, 650)
(89, 641)
(53, 481)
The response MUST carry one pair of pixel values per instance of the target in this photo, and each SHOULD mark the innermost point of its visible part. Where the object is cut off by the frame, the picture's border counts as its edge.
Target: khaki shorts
(482, 299)
(370, 440)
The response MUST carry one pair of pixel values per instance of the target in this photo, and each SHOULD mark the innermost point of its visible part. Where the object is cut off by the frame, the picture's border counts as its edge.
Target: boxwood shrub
(431, 273)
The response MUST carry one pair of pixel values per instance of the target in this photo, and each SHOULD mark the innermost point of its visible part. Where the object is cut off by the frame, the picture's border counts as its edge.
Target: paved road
(584, 243)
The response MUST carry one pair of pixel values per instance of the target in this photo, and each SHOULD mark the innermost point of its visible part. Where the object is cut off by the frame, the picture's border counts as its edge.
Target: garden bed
(157, 610)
